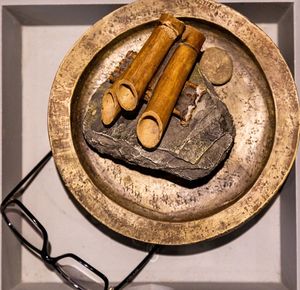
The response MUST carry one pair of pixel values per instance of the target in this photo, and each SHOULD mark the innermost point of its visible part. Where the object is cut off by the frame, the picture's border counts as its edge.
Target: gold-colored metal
(261, 96)
(216, 65)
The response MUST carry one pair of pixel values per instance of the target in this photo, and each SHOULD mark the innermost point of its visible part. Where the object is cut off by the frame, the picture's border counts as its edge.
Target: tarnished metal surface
(261, 97)
(217, 65)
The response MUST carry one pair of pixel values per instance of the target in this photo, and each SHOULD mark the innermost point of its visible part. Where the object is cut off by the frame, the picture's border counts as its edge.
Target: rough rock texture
(190, 152)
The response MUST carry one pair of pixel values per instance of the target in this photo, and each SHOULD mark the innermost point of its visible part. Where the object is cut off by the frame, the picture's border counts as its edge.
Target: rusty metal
(261, 96)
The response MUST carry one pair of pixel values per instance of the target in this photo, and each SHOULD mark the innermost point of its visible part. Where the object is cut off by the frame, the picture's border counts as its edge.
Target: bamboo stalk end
(149, 130)
(172, 22)
(110, 108)
(127, 96)
(193, 37)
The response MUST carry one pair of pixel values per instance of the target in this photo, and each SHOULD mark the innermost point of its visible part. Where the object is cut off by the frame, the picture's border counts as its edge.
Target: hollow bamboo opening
(126, 97)
(149, 130)
(109, 108)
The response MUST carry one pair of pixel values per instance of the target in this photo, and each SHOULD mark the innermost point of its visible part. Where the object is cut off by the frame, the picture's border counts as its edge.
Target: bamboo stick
(136, 78)
(155, 118)
(110, 107)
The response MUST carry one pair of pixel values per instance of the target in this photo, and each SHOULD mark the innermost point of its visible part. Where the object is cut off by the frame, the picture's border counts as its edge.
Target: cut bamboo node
(110, 107)
(193, 37)
(149, 130)
(126, 96)
(170, 21)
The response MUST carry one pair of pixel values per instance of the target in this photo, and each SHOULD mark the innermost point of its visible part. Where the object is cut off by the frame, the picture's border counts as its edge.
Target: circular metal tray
(148, 206)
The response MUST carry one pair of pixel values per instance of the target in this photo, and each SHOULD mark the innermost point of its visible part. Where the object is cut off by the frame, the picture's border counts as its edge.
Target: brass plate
(261, 96)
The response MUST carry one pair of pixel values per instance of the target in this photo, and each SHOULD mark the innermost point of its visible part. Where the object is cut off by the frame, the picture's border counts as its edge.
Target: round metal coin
(216, 65)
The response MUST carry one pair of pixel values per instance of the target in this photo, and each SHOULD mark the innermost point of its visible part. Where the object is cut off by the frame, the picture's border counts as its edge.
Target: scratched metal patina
(261, 97)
